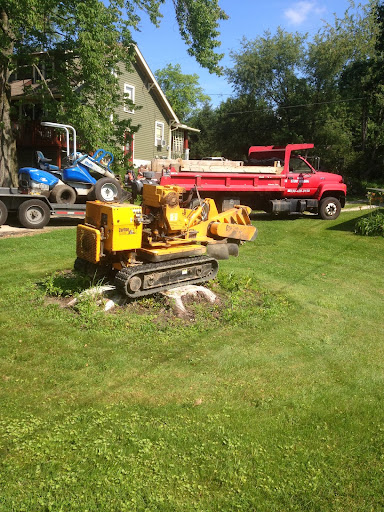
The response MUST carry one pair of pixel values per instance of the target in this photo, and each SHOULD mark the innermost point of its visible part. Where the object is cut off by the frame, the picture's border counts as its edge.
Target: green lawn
(269, 401)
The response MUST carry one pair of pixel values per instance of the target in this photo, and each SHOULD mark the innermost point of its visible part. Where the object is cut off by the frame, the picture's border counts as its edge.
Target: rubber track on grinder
(151, 278)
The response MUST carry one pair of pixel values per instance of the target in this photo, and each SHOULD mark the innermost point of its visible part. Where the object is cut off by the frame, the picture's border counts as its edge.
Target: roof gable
(156, 87)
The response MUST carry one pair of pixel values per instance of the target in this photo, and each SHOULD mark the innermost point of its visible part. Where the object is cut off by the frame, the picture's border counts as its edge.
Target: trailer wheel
(63, 194)
(107, 190)
(330, 208)
(34, 214)
(3, 213)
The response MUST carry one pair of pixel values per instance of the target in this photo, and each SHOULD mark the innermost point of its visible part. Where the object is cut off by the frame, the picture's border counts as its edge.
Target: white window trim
(132, 98)
(159, 123)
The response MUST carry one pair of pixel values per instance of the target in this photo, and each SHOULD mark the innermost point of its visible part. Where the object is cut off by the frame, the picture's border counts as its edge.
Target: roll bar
(65, 127)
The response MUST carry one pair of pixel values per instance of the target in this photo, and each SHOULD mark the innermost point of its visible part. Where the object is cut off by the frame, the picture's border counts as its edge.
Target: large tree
(182, 90)
(361, 84)
(271, 68)
(89, 41)
(206, 142)
(327, 89)
(338, 66)
(231, 128)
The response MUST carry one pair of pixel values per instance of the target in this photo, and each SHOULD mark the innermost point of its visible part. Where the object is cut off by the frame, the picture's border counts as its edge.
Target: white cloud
(300, 12)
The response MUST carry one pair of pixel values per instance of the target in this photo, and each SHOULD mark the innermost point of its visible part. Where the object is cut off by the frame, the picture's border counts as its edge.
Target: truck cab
(305, 188)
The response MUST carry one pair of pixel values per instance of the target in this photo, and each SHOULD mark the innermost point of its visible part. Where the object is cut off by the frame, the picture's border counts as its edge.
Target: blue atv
(86, 178)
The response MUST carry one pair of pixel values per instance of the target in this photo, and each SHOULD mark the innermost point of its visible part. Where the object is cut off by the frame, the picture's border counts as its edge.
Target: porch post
(170, 142)
(186, 148)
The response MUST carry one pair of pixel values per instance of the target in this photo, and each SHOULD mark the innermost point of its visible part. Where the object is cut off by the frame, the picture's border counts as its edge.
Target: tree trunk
(8, 158)
(364, 126)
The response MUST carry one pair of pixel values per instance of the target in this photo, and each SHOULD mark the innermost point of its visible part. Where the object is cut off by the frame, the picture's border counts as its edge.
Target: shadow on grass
(350, 224)
(65, 283)
(281, 216)
(335, 225)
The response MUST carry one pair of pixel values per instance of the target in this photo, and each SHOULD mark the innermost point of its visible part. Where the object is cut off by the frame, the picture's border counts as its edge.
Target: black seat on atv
(41, 158)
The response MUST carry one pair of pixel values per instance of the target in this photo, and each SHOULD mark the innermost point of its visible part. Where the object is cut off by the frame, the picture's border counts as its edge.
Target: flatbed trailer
(34, 211)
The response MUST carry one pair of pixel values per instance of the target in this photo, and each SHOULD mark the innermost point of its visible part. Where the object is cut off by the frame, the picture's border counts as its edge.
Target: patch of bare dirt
(13, 230)
(60, 301)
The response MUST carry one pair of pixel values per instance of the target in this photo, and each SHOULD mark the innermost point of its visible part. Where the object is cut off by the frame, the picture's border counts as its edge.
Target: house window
(129, 93)
(43, 70)
(159, 134)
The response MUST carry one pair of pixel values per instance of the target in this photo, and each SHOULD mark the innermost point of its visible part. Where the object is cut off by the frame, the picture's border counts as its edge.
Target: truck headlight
(39, 186)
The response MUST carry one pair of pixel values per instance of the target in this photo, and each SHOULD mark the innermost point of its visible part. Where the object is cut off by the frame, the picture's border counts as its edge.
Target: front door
(302, 180)
(129, 146)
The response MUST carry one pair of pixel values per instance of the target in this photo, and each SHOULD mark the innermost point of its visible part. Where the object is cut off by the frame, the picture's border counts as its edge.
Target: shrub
(373, 225)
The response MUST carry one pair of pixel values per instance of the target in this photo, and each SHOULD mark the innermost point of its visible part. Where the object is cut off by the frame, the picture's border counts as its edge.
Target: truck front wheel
(330, 208)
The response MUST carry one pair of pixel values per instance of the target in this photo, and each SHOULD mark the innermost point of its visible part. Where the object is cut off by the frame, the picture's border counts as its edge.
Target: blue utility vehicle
(85, 178)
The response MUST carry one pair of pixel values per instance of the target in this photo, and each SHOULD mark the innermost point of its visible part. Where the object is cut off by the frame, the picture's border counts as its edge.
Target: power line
(296, 106)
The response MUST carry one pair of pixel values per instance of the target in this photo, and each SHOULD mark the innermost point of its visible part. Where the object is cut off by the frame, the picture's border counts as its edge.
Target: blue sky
(249, 18)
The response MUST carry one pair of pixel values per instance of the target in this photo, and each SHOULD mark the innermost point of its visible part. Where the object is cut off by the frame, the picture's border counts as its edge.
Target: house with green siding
(161, 134)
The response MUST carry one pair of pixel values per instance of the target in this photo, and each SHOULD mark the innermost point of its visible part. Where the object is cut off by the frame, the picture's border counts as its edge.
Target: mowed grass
(271, 401)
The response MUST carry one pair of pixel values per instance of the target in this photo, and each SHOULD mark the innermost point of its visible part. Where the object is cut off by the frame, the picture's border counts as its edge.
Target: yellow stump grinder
(161, 244)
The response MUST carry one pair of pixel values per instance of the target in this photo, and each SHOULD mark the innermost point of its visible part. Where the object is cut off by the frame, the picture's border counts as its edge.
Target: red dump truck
(274, 180)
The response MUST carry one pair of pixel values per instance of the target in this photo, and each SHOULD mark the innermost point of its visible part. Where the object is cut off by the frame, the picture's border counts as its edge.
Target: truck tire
(330, 208)
(107, 190)
(3, 213)
(63, 194)
(34, 214)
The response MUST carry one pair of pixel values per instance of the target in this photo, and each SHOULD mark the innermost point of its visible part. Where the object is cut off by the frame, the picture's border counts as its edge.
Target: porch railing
(32, 134)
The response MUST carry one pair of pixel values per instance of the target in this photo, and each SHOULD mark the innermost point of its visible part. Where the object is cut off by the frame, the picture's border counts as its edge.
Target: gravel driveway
(13, 228)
